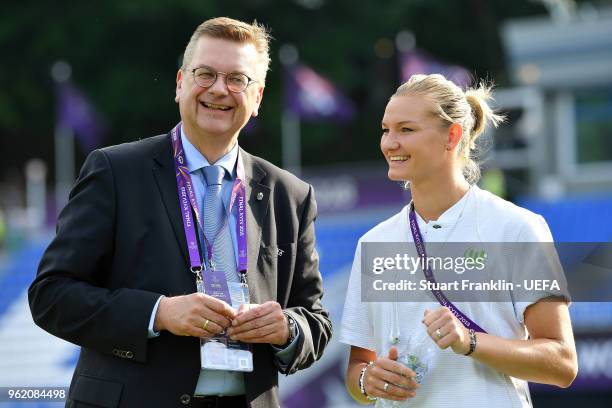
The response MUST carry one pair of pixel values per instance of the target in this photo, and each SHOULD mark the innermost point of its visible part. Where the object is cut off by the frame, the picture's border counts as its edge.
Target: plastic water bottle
(418, 355)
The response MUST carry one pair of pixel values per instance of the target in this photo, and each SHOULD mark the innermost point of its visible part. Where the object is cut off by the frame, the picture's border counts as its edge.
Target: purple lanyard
(188, 203)
(420, 247)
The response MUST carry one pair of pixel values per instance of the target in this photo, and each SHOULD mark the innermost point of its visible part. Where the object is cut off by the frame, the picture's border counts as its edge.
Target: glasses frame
(227, 74)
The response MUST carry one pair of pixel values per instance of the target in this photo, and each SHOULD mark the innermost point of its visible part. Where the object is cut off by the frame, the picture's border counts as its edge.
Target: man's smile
(215, 106)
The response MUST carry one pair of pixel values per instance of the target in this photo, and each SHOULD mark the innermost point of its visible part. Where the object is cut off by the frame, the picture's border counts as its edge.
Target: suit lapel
(258, 196)
(163, 171)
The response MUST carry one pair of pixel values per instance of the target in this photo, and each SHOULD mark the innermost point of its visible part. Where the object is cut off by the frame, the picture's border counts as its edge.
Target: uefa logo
(180, 160)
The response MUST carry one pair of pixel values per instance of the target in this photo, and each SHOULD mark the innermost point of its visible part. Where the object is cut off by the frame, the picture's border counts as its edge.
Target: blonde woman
(429, 132)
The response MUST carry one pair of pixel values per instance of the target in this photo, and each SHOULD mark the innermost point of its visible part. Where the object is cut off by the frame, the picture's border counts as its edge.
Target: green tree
(124, 56)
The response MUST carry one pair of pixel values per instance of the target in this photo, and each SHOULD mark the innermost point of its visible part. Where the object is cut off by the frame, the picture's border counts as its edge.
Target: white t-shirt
(452, 380)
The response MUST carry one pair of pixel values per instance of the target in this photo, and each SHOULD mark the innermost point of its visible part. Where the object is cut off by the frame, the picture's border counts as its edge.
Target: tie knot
(213, 175)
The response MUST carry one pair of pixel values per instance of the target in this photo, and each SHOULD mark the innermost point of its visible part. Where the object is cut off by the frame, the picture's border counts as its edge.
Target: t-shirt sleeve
(536, 267)
(357, 327)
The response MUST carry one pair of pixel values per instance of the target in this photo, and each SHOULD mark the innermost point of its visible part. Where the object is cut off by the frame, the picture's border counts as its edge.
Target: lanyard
(188, 203)
(420, 247)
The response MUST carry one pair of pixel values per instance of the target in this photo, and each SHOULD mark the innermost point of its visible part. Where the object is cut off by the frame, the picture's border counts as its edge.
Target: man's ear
(179, 85)
(258, 99)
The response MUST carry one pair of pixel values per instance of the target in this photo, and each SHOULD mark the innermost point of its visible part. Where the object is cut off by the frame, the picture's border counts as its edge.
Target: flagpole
(64, 165)
(290, 121)
(64, 145)
(405, 42)
(291, 142)
(36, 193)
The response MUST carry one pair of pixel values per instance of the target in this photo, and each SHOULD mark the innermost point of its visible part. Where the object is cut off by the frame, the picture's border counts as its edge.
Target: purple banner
(75, 112)
(313, 98)
(418, 62)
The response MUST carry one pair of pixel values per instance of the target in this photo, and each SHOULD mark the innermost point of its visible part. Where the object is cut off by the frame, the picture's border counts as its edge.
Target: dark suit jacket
(120, 243)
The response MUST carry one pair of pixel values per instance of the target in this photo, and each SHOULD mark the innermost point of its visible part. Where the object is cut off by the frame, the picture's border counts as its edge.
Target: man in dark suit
(116, 279)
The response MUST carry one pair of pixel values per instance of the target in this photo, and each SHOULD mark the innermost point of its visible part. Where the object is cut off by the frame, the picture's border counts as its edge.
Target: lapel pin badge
(259, 196)
(280, 252)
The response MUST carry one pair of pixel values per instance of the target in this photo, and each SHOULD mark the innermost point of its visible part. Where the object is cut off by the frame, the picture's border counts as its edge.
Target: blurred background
(78, 75)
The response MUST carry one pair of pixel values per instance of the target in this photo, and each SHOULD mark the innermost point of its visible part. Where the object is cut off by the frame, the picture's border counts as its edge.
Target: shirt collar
(196, 160)
(453, 213)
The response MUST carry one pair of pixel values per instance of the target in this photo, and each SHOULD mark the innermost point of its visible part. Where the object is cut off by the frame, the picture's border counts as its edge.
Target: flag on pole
(75, 112)
(313, 98)
(418, 62)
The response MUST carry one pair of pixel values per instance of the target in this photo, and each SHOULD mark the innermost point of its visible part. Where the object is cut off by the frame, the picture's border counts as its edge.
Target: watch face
(292, 328)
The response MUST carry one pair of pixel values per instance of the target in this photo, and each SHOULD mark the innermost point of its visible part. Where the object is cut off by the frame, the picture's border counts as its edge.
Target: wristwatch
(293, 330)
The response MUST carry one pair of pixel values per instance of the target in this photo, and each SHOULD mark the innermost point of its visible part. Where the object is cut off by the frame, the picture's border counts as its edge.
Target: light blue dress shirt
(218, 382)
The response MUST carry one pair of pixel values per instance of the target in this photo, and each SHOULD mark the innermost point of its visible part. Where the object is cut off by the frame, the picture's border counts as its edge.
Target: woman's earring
(448, 147)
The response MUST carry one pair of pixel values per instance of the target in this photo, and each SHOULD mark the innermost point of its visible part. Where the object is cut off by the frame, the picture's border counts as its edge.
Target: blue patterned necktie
(214, 219)
(223, 255)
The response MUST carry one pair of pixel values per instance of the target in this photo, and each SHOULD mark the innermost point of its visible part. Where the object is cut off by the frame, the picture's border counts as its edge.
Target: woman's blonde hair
(468, 108)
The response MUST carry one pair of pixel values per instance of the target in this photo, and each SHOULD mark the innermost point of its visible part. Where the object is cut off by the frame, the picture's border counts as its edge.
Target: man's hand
(197, 315)
(265, 323)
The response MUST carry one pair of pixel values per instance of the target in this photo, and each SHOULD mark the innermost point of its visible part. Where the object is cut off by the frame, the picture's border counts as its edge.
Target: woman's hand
(388, 379)
(446, 330)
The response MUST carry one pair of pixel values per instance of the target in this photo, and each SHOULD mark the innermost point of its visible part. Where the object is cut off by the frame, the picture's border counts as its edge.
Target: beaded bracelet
(472, 342)
(361, 381)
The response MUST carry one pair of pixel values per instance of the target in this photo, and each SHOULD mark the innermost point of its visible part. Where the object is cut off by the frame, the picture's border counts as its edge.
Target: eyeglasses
(236, 82)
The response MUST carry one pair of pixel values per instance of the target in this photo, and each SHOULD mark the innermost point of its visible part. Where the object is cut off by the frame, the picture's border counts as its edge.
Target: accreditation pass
(222, 353)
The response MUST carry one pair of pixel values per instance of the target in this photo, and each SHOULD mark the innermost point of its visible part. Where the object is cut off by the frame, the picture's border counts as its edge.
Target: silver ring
(439, 334)
(386, 387)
